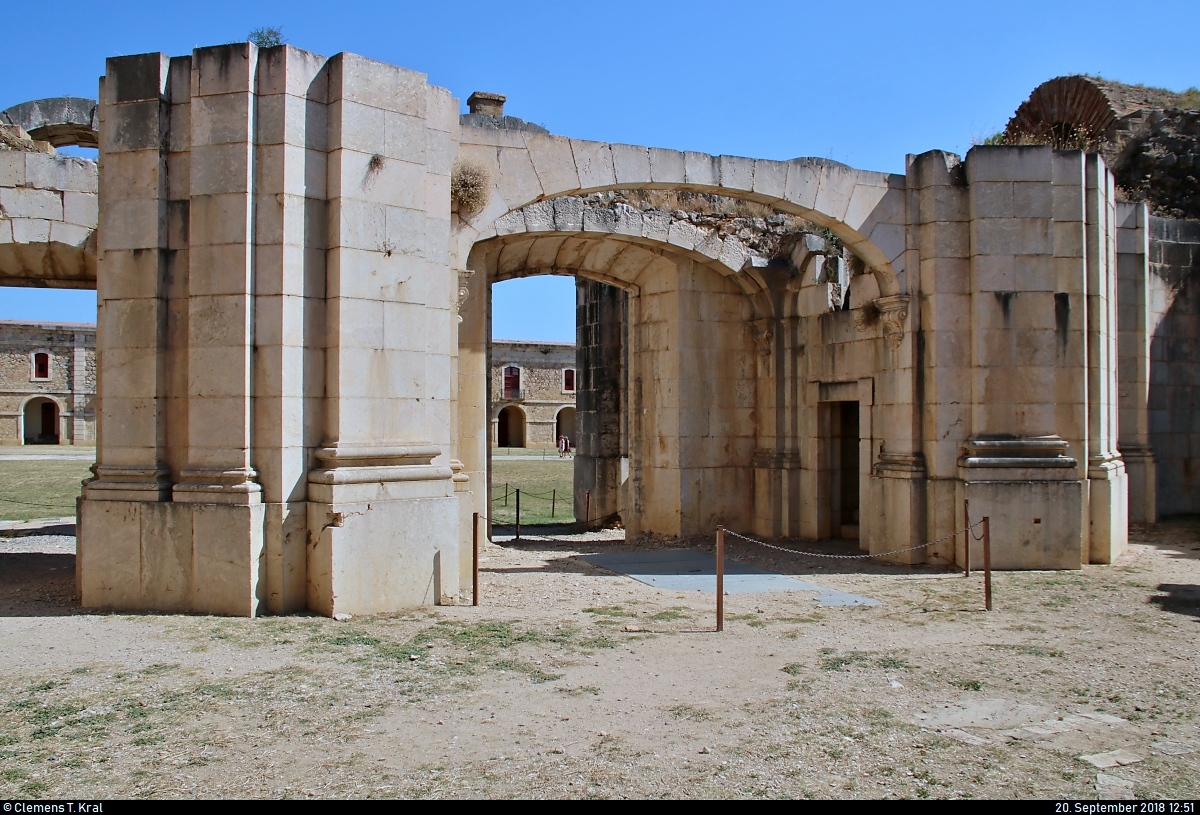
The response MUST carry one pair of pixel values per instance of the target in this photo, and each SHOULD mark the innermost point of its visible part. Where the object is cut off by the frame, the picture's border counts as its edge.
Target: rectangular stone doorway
(842, 467)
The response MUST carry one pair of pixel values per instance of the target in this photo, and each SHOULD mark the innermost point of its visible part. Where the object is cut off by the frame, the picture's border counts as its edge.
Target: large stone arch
(61, 120)
(865, 210)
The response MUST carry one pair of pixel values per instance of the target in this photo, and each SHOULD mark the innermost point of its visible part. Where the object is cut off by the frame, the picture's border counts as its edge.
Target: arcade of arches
(850, 354)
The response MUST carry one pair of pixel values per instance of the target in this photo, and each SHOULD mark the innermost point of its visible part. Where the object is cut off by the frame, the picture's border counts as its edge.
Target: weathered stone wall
(48, 214)
(541, 395)
(1174, 374)
(72, 382)
(601, 328)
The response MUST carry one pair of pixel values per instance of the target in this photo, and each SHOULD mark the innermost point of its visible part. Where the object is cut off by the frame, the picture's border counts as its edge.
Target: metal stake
(720, 578)
(553, 498)
(987, 563)
(967, 541)
(475, 558)
(518, 512)
(587, 509)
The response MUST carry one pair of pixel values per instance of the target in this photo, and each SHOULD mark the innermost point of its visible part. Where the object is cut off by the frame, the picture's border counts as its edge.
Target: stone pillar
(474, 312)
(1108, 535)
(601, 327)
(780, 363)
(79, 428)
(939, 238)
(217, 475)
(1026, 460)
(113, 567)
(131, 320)
(289, 306)
(382, 503)
(1133, 362)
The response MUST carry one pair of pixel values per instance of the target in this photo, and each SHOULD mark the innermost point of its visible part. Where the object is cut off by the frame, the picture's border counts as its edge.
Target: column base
(895, 517)
(1033, 499)
(1108, 509)
(383, 530)
(171, 557)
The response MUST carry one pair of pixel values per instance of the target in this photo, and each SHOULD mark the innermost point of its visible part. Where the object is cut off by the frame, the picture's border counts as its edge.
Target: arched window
(568, 380)
(40, 366)
(512, 382)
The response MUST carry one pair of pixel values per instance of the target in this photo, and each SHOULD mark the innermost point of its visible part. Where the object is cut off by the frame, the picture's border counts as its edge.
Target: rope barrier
(36, 504)
(855, 557)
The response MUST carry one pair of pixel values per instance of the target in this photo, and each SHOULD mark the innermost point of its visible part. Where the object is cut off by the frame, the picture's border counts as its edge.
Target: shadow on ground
(33, 584)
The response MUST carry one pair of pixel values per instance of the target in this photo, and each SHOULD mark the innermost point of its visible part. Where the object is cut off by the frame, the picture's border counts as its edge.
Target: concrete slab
(693, 570)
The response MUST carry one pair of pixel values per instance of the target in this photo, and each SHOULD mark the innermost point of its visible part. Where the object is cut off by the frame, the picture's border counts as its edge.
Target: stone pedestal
(383, 531)
(1034, 500)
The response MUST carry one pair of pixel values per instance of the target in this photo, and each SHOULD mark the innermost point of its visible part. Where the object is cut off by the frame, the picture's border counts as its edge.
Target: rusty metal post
(587, 509)
(967, 541)
(720, 578)
(987, 563)
(505, 493)
(475, 558)
(518, 491)
(553, 500)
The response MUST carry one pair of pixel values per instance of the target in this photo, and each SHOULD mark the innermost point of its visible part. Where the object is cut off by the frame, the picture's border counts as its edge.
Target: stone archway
(564, 425)
(41, 421)
(510, 427)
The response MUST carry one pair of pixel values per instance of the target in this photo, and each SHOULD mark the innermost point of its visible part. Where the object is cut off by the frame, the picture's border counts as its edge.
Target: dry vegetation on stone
(573, 682)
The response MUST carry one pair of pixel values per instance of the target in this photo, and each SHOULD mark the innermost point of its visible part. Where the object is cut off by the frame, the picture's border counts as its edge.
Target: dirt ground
(570, 681)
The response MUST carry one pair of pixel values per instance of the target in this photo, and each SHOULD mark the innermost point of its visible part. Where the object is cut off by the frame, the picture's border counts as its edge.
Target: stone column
(1133, 362)
(940, 247)
(601, 327)
(1108, 508)
(289, 306)
(79, 429)
(217, 476)
(473, 424)
(382, 502)
(1026, 459)
(131, 477)
(131, 319)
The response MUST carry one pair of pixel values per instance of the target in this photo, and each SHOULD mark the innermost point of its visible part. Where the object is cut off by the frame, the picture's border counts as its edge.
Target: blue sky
(858, 82)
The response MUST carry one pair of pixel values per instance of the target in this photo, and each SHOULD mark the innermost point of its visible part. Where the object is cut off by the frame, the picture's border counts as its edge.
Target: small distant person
(562, 446)
(566, 447)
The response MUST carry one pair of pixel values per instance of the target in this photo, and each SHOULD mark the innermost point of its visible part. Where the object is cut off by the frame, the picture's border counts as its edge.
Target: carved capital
(464, 276)
(764, 335)
(893, 311)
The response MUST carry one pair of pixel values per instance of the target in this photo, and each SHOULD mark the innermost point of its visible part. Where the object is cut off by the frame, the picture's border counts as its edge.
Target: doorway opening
(41, 421)
(843, 470)
(564, 425)
(510, 427)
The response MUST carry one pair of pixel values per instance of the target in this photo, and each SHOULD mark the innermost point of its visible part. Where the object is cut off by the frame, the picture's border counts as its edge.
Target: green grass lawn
(538, 480)
(47, 489)
(40, 489)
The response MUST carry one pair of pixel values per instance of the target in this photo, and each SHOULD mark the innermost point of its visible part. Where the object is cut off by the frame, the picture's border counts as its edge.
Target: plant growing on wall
(470, 185)
(266, 37)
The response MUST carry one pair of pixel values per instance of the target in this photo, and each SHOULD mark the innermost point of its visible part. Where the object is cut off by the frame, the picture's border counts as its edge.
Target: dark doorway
(843, 469)
(510, 428)
(41, 422)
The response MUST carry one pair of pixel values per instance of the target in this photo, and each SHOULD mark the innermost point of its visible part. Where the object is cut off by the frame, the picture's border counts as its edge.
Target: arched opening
(564, 425)
(41, 421)
(510, 427)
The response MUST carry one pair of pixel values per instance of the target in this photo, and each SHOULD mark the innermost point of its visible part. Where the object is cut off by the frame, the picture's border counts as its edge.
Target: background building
(532, 393)
(47, 383)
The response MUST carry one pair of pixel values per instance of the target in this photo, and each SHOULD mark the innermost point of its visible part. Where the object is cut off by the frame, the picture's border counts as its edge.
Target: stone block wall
(48, 213)
(1174, 369)
(72, 382)
(276, 336)
(541, 395)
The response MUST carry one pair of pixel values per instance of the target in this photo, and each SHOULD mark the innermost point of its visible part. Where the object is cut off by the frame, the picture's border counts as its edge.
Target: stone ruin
(293, 335)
